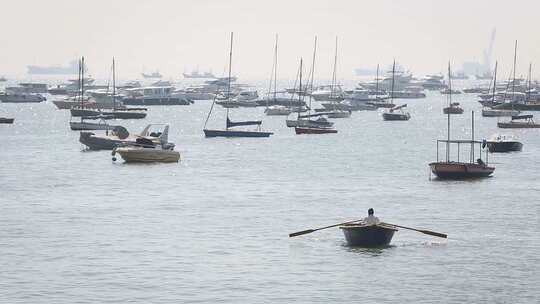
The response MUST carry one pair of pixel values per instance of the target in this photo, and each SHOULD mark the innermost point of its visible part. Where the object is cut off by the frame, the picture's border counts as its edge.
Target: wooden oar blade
(301, 232)
(433, 233)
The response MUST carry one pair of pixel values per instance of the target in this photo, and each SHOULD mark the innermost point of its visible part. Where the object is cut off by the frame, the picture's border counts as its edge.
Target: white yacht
(147, 96)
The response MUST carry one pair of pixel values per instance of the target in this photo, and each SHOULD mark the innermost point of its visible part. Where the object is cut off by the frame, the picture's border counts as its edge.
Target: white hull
(89, 126)
(499, 113)
(278, 111)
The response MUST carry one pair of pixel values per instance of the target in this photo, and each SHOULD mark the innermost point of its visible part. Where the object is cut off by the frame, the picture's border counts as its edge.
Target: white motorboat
(499, 112)
(21, 98)
(157, 133)
(328, 93)
(155, 95)
(278, 110)
(145, 150)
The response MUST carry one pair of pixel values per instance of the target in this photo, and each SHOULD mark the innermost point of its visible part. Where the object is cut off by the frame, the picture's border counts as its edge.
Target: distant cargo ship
(55, 69)
(196, 74)
(152, 75)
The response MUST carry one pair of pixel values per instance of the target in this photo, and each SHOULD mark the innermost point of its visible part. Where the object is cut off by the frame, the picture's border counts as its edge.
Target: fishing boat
(453, 108)
(359, 235)
(146, 150)
(5, 120)
(448, 169)
(503, 143)
(227, 132)
(519, 122)
(397, 113)
(158, 133)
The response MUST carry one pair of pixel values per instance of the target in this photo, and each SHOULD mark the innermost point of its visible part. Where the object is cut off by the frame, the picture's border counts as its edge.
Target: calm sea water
(76, 227)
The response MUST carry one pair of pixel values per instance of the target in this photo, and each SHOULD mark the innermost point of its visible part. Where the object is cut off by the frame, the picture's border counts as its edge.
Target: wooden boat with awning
(359, 235)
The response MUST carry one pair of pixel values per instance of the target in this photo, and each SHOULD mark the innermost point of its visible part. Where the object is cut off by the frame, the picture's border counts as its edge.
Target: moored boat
(454, 108)
(314, 130)
(519, 122)
(359, 235)
(503, 143)
(5, 120)
(396, 113)
(145, 150)
(158, 133)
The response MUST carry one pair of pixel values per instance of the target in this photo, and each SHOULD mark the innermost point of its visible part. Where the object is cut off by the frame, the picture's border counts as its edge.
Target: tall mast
(332, 87)
(494, 84)
(377, 84)
(529, 84)
(514, 80)
(82, 78)
(229, 82)
(113, 85)
(472, 141)
(448, 113)
(312, 73)
(300, 84)
(79, 84)
(393, 74)
(275, 67)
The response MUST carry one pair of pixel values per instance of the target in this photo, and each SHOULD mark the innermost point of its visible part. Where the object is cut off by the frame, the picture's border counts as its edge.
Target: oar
(317, 229)
(433, 233)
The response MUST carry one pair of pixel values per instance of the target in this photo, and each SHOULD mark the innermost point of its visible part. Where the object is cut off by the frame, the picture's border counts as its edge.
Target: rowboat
(5, 120)
(460, 170)
(454, 108)
(359, 235)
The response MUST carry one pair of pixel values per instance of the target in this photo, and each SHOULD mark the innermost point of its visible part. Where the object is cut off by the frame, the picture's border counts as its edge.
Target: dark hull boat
(314, 130)
(167, 101)
(396, 116)
(6, 120)
(519, 122)
(459, 170)
(368, 236)
(504, 146)
(235, 133)
(453, 110)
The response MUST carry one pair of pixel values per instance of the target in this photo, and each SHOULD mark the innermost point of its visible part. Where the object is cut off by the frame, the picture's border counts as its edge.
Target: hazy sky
(174, 36)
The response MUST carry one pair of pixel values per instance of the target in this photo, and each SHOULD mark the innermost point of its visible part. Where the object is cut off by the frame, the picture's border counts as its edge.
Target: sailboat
(395, 113)
(379, 102)
(273, 109)
(453, 107)
(123, 113)
(497, 112)
(85, 125)
(306, 120)
(336, 113)
(228, 132)
(448, 169)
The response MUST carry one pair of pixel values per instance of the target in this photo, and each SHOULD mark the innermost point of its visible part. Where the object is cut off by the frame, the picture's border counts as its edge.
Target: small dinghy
(359, 235)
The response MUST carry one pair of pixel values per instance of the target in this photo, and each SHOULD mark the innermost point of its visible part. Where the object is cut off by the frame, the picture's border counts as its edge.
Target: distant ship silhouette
(71, 69)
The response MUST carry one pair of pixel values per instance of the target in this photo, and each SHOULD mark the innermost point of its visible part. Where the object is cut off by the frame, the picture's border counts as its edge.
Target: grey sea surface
(76, 227)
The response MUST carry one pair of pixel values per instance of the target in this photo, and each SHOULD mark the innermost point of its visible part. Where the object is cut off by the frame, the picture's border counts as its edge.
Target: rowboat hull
(6, 120)
(395, 116)
(235, 133)
(368, 236)
(458, 170)
(453, 110)
(314, 130)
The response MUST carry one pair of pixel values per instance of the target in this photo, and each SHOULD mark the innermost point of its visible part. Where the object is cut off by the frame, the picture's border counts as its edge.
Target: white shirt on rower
(371, 220)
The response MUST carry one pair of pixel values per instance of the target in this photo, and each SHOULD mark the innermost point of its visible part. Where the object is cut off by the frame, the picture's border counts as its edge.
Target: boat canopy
(521, 117)
(231, 124)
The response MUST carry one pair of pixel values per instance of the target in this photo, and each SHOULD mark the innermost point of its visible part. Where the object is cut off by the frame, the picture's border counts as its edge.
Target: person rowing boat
(371, 219)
